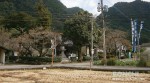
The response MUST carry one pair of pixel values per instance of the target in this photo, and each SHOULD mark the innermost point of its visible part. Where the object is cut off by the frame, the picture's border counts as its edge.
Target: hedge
(33, 60)
(115, 62)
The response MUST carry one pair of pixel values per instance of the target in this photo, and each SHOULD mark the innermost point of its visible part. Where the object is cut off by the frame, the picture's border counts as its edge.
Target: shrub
(34, 60)
(103, 61)
(148, 63)
(95, 58)
(131, 63)
(111, 61)
(114, 61)
(120, 63)
(97, 62)
(126, 63)
(86, 58)
(73, 59)
(100, 55)
(142, 63)
(57, 59)
(12, 58)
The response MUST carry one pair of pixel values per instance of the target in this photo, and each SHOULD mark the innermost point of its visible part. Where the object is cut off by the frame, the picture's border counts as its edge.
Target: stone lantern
(64, 58)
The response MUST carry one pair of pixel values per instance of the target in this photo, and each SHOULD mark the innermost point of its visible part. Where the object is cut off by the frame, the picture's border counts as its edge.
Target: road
(85, 65)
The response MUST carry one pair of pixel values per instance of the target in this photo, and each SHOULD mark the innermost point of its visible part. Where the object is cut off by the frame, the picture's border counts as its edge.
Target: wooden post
(52, 57)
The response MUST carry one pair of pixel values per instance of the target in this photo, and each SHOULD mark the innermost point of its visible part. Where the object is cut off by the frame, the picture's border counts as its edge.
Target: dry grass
(70, 76)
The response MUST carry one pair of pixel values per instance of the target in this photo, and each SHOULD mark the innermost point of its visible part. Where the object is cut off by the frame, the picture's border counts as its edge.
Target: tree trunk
(79, 55)
(40, 52)
(90, 52)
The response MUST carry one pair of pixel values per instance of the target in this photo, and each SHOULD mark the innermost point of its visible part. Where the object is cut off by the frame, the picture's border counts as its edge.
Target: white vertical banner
(135, 35)
(141, 27)
(132, 26)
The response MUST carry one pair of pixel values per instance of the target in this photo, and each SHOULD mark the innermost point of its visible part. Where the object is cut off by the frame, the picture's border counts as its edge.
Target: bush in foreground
(126, 63)
(33, 60)
(114, 62)
(142, 63)
(110, 62)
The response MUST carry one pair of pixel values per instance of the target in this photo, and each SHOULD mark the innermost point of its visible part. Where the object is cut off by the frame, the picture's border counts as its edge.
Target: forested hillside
(58, 10)
(119, 16)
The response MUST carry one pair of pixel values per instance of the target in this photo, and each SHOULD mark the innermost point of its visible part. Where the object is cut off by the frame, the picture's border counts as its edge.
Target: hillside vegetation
(119, 16)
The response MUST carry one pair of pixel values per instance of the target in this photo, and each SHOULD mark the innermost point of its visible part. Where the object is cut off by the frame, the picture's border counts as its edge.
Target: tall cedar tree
(43, 14)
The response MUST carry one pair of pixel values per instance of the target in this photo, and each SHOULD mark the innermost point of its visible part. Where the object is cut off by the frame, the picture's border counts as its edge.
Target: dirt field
(71, 76)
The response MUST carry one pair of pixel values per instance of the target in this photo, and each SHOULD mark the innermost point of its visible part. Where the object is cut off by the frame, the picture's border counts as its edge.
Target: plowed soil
(71, 76)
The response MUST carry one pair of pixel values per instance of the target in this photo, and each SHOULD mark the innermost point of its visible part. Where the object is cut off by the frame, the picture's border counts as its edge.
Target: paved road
(102, 68)
(74, 66)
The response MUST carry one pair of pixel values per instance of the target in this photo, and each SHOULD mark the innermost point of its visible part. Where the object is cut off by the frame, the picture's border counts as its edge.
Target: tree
(58, 9)
(119, 15)
(43, 14)
(20, 21)
(115, 38)
(7, 41)
(6, 8)
(78, 30)
(4, 38)
(37, 40)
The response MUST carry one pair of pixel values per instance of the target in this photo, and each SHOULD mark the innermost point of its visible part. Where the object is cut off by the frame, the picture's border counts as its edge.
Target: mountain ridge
(120, 14)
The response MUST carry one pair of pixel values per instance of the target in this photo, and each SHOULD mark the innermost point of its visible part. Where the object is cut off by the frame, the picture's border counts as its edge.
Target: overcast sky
(91, 5)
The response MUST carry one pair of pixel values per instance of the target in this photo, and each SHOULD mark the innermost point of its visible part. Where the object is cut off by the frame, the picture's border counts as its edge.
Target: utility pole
(101, 7)
(91, 61)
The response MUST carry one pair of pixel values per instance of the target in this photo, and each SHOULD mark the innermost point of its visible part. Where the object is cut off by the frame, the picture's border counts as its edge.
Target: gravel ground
(71, 76)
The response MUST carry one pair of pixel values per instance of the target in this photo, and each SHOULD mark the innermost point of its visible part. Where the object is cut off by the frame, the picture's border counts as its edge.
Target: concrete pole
(104, 32)
(91, 61)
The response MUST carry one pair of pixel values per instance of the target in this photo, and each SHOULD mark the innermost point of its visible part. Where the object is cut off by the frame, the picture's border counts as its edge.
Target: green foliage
(97, 62)
(86, 58)
(33, 60)
(115, 62)
(20, 21)
(142, 63)
(73, 59)
(74, 10)
(77, 29)
(44, 15)
(59, 11)
(100, 55)
(148, 63)
(103, 61)
(6, 8)
(119, 15)
(142, 50)
(111, 61)
(11, 59)
(120, 63)
(95, 58)
(126, 63)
